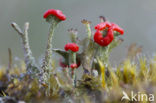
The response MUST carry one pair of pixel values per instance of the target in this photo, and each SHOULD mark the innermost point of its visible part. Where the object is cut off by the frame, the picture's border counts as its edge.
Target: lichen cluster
(100, 82)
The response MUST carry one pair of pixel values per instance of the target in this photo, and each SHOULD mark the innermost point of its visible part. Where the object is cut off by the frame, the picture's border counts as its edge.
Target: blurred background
(137, 17)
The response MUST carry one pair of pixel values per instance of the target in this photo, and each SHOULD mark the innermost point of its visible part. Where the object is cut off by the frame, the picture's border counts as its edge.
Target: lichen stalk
(48, 52)
(31, 66)
(72, 60)
(45, 75)
(29, 59)
(88, 30)
(88, 53)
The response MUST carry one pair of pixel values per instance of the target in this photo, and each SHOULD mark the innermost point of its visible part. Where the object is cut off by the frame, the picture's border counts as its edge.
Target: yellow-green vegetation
(107, 87)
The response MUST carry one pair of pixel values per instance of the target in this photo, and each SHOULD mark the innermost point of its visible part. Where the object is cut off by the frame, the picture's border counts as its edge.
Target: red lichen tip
(57, 13)
(71, 46)
(117, 28)
(106, 40)
(73, 66)
(103, 25)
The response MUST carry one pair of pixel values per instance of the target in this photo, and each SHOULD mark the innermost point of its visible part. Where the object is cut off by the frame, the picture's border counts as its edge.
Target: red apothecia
(57, 13)
(108, 38)
(71, 46)
(73, 66)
